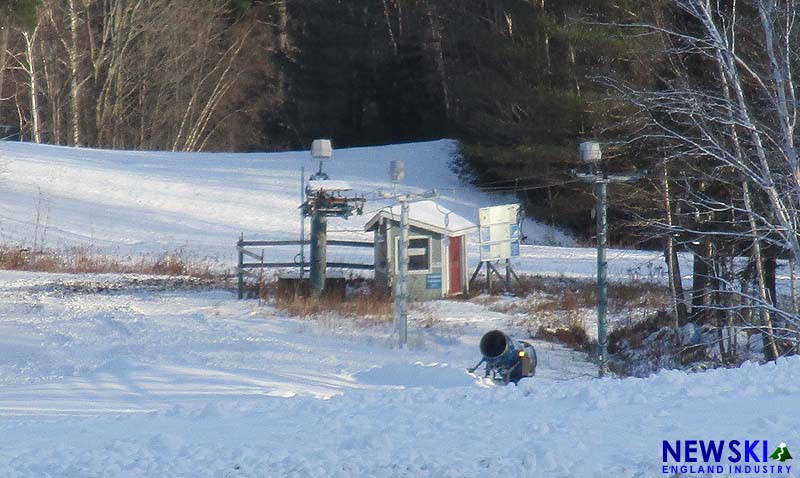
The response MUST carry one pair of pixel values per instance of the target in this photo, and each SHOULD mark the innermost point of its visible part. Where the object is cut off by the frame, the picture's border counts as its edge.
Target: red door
(456, 275)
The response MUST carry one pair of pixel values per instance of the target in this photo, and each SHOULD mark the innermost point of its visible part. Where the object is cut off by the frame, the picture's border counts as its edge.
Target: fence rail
(331, 242)
(246, 268)
(306, 265)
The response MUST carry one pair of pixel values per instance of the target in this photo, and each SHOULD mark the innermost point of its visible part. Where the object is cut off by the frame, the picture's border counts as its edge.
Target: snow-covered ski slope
(128, 203)
(153, 201)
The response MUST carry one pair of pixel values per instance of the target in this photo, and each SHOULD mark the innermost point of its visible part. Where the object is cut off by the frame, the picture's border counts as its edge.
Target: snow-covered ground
(137, 381)
(133, 376)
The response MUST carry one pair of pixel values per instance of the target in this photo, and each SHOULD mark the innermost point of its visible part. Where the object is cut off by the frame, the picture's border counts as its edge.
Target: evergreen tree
(347, 81)
(18, 12)
(528, 94)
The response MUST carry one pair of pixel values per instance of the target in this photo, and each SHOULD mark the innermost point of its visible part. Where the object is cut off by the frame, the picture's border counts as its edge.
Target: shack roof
(328, 185)
(426, 215)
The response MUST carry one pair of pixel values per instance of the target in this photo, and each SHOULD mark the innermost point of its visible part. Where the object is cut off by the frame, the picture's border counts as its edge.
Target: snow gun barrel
(497, 348)
(506, 360)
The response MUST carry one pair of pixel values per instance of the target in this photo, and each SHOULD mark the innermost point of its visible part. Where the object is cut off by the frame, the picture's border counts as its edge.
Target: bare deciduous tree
(145, 74)
(733, 127)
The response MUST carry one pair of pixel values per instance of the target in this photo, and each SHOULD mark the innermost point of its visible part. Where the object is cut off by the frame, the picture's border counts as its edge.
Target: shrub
(87, 260)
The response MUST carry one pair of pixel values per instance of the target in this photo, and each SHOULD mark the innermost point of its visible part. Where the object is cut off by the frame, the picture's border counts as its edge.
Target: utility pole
(590, 153)
(601, 189)
(400, 284)
(401, 288)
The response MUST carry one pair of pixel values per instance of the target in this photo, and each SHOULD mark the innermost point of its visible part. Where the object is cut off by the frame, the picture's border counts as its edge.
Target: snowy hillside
(130, 202)
(127, 203)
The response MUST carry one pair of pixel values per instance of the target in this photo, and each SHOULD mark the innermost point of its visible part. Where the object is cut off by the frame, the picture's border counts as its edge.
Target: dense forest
(696, 99)
(239, 75)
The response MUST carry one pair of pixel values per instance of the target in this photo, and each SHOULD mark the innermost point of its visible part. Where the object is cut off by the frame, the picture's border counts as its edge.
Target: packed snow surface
(111, 376)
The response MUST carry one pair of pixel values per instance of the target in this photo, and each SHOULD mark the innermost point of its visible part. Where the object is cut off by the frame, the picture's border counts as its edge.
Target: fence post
(508, 275)
(240, 269)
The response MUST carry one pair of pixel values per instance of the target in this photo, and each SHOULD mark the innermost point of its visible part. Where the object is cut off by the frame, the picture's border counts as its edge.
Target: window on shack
(419, 254)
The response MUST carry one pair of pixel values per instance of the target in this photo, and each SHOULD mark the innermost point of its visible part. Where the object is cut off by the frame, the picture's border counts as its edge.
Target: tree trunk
(387, 18)
(4, 28)
(74, 79)
(793, 283)
(438, 56)
(51, 93)
(768, 334)
(30, 57)
(770, 269)
(700, 275)
(671, 257)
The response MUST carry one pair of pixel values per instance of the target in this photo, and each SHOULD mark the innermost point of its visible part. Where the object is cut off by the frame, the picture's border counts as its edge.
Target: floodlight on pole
(397, 173)
(321, 150)
(591, 152)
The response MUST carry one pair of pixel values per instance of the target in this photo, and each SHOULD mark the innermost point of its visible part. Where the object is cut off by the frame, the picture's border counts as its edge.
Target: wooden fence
(246, 268)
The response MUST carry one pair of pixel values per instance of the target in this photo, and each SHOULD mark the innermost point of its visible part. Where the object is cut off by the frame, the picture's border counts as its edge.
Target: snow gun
(506, 360)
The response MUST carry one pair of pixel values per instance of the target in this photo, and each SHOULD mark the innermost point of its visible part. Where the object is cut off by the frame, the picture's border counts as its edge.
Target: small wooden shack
(437, 250)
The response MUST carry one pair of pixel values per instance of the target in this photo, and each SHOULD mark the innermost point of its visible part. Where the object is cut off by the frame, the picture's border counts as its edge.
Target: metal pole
(319, 244)
(240, 269)
(302, 221)
(508, 275)
(401, 286)
(601, 187)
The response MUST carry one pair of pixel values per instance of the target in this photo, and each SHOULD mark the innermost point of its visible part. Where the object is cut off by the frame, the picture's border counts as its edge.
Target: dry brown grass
(556, 295)
(574, 336)
(555, 309)
(373, 306)
(86, 260)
